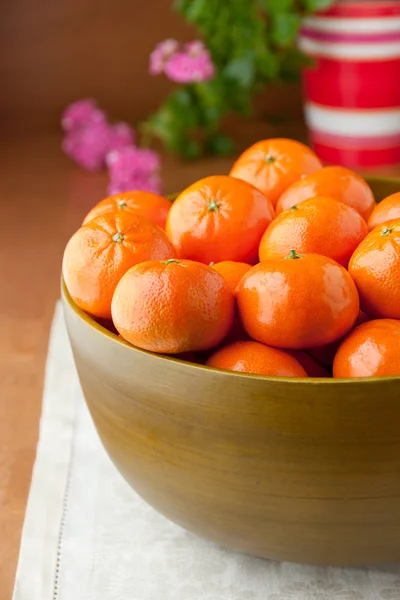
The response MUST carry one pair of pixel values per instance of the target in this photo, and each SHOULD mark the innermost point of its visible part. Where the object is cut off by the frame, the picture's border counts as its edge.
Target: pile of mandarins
(262, 271)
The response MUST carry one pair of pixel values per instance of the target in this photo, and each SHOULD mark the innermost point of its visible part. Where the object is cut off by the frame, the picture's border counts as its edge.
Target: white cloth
(88, 536)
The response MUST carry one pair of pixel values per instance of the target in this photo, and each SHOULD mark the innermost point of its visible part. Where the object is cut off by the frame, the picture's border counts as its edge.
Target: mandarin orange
(297, 302)
(370, 350)
(100, 252)
(253, 357)
(173, 306)
(147, 204)
(273, 165)
(219, 218)
(231, 271)
(375, 267)
(320, 225)
(338, 182)
(387, 210)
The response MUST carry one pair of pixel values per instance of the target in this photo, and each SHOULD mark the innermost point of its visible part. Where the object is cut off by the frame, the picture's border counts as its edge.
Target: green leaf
(241, 70)
(275, 7)
(292, 61)
(268, 65)
(312, 6)
(195, 9)
(284, 28)
(220, 144)
(191, 149)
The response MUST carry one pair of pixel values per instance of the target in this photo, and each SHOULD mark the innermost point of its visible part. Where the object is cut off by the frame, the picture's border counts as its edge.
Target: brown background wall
(55, 51)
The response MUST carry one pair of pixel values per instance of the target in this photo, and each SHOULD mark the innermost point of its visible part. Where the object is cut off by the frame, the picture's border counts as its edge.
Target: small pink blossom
(195, 48)
(186, 68)
(88, 146)
(80, 113)
(121, 135)
(133, 168)
(160, 55)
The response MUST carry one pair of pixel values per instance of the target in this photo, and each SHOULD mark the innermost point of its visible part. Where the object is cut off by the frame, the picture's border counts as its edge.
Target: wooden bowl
(304, 470)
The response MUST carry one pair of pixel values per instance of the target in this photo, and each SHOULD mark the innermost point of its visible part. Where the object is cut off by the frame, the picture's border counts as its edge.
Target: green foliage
(252, 43)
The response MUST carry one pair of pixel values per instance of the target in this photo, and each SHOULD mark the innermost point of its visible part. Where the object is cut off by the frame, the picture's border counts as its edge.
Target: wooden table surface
(43, 199)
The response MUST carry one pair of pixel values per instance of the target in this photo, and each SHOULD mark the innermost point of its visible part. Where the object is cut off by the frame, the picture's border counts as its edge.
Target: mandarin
(325, 355)
(338, 182)
(173, 306)
(297, 302)
(101, 251)
(147, 204)
(219, 218)
(273, 165)
(370, 350)
(253, 357)
(320, 225)
(309, 364)
(231, 271)
(387, 210)
(375, 268)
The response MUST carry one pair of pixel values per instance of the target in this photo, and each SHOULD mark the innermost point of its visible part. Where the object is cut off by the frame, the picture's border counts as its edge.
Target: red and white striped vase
(352, 93)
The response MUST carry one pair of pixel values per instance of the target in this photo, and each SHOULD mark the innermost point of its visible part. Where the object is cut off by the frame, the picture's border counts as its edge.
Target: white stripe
(365, 123)
(355, 51)
(353, 25)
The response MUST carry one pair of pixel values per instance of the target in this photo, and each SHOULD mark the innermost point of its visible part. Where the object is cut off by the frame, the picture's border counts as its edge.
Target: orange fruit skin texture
(387, 210)
(337, 182)
(93, 263)
(253, 357)
(180, 306)
(232, 272)
(219, 218)
(326, 354)
(375, 267)
(370, 350)
(320, 225)
(297, 303)
(273, 165)
(147, 204)
(311, 366)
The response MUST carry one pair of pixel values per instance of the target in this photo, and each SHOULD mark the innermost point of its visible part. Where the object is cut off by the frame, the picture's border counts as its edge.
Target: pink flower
(121, 135)
(195, 48)
(88, 146)
(80, 113)
(160, 55)
(133, 168)
(184, 67)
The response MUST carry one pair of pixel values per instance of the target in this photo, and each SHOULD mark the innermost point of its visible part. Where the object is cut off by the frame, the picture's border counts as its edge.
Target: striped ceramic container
(352, 93)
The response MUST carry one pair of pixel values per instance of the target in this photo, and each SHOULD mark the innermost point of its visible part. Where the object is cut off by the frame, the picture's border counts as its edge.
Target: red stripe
(355, 141)
(363, 9)
(351, 84)
(354, 158)
(345, 38)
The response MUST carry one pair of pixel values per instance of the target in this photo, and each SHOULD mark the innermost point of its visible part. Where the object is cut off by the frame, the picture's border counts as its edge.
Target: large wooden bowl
(304, 470)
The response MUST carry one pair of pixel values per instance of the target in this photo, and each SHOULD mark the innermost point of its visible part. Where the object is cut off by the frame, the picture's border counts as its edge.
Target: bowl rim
(267, 378)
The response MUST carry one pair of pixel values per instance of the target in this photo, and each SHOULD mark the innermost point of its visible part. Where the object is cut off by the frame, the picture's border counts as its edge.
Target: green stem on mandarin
(169, 261)
(117, 237)
(121, 204)
(269, 158)
(293, 208)
(292, 255)
(386, 231)
(213, 205)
